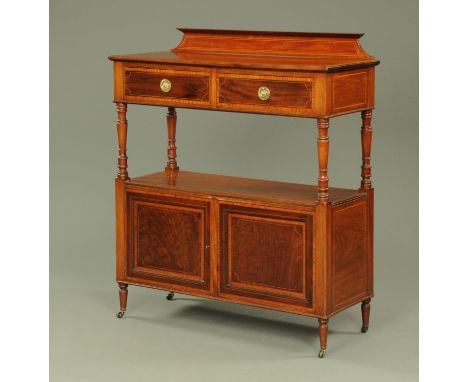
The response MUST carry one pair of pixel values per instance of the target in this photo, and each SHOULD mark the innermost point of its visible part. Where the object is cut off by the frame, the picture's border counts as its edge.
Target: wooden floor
(243, 188)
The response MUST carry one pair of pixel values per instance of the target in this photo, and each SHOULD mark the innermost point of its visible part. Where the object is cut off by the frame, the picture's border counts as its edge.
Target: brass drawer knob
(263, 93)
(165, 85)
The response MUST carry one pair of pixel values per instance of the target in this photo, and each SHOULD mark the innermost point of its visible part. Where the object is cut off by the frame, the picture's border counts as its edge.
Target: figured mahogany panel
(350, 91)
(318, 52)
(237, 90)
(158, 228)
(169, 239)
(184, 86)
(266, 254)
(349, 270)
(271, 43)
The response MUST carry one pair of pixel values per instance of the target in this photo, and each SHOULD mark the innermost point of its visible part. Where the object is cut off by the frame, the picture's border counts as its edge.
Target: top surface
(316, 64)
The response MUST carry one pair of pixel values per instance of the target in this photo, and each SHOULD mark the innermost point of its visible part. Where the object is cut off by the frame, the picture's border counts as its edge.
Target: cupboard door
(266, 254)
(169, 240)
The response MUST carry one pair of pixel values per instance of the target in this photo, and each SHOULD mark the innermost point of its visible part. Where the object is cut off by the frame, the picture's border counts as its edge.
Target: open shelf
(222, 186)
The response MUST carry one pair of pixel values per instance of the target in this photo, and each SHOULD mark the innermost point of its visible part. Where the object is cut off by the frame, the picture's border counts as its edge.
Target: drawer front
(266, 255)
(257, 93)
(179, 86)
(168, 240)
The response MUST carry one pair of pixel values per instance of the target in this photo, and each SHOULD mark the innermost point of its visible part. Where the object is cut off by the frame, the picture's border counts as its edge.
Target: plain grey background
(191, 339)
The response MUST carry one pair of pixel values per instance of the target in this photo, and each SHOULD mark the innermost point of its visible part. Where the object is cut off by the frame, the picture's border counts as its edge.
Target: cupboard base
(197, 234)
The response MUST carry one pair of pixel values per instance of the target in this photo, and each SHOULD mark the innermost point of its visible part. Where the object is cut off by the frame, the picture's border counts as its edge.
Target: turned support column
(366, 143)
(122, 136)
(323, 332)
(322, 145)
(171, 166)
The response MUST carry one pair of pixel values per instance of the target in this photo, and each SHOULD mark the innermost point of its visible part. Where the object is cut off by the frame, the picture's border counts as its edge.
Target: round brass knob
(263, 93)
(165, 85)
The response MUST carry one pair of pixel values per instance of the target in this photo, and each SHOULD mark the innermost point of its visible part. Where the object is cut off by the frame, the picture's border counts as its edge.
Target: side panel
(351, 91)
(118, 81)
(120, 234)
(350, 271)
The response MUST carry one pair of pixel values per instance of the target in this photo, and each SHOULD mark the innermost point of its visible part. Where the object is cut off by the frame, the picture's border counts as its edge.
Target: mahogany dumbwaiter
(290, 247)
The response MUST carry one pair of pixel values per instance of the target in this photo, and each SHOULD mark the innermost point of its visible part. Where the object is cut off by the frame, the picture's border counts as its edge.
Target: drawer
(171, 85)
(264, 92)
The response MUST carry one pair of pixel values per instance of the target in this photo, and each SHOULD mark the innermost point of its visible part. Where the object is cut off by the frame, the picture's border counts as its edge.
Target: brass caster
(120, 314)
(170, 296)
(322, 353)
(364, 329)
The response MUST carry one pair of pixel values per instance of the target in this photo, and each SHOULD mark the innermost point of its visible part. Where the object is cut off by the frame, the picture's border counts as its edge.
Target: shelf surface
(231, 187)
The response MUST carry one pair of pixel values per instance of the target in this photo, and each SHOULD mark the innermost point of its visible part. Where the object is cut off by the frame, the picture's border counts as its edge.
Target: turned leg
(322, 148)
(171, 166)
(365, 312)
(366, 143)
(170, 296)
(323, 332)
(123, 293)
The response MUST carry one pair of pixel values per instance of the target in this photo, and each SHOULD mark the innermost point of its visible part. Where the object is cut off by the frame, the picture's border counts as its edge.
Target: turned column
(122, 136)
(122, 176)
(323, 332)
(366, 143)
(323, 228)
(171, 166)
(366, 185)
(322, 145)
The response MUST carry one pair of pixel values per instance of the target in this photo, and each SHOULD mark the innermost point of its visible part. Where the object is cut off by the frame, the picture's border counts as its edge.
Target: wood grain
(123, 294)
(349, 90)
(301, 94)
(365, 312)
(236, 188)
(147, 84)
(331, 64)
(319, 52)
(156, 250)
(349, 254)
(270, 43)
(283, 93)
(366, 144)
(323, 143)
(171, 166)
(323, 333)
(156, 238)
(122, 137)
(266, 254)
(290, 247)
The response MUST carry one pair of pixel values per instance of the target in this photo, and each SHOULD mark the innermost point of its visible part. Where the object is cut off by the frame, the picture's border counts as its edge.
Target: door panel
(169, 240)
(266, 254)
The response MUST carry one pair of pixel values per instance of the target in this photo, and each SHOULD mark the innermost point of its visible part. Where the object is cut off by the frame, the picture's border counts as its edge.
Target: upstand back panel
(290, 247)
